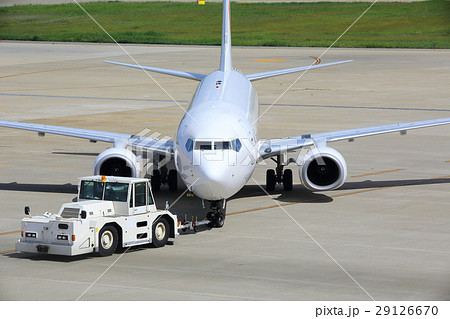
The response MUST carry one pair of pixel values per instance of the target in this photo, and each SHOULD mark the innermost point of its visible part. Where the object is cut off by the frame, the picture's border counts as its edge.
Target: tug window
(91, 190)
(116, 192)
(140, 193)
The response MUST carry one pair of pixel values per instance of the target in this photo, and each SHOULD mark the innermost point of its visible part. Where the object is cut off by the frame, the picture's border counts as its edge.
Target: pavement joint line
(317, 243)
(382, 172)
(262, 104)
(69, 168)
(42, 71)
(268, 60)
(87, 97)
(183, 292)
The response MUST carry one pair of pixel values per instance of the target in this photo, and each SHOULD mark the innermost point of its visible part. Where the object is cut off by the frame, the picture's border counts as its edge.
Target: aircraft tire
(270, 180)
(173, 180)
(156, 180)
(219, 219)
(287, 180)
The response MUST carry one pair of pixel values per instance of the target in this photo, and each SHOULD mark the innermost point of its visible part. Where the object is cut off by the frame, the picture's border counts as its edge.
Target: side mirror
(83, 214)
(27, 210)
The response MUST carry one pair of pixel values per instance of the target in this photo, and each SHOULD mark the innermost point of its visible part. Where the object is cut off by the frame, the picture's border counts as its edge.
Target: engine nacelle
(322, 169)
(117, 162)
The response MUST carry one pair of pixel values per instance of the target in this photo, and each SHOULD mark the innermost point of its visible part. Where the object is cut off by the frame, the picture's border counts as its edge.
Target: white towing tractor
(110, 212)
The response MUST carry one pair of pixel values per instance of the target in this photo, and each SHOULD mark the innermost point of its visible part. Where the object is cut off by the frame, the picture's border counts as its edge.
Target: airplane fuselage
(217, 139)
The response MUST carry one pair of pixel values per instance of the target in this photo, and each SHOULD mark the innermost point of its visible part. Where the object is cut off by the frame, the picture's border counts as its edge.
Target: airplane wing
(263, 75)
(182, 74)
(276, 146)
(161, 146)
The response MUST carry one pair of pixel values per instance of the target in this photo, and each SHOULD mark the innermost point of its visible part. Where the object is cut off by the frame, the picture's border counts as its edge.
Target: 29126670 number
(405, 311)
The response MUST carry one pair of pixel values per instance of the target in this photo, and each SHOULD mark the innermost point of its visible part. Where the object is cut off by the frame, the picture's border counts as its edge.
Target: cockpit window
(216, 145)
(236, 144)
(225, 145)
(203, 145)
(189, 145)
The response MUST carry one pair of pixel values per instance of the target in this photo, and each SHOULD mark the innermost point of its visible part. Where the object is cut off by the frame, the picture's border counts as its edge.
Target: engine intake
(117, 162)
(322, 169)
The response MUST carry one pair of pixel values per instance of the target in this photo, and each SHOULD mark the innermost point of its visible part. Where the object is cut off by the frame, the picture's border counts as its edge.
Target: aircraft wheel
(270, 180)
(108, 240)
(160, 233)
(156, 180)
(210, 217)
(219, 219)
(287, 179)
(173, 180)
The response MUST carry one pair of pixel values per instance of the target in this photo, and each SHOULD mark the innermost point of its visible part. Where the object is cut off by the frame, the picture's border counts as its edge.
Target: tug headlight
(30, 235)
(62, 237)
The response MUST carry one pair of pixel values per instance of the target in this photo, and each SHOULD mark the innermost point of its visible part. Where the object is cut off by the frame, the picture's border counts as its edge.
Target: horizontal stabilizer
(269, 74)
(182, 74)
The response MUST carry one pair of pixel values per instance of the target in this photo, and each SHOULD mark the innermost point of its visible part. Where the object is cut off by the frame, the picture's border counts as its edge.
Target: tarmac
(382, 236)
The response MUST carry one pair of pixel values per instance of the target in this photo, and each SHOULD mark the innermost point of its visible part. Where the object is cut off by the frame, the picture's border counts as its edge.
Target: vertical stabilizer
(225, 58)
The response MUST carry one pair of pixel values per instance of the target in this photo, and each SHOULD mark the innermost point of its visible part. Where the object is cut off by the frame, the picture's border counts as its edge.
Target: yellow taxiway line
(11, 232)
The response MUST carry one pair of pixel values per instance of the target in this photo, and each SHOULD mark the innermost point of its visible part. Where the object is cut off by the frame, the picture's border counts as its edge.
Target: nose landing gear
(218, 213)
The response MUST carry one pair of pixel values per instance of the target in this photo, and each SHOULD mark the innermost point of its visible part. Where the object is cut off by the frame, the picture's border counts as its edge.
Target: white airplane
(217, 147)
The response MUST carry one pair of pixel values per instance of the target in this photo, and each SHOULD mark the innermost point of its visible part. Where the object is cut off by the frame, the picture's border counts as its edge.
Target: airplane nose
(215, 182)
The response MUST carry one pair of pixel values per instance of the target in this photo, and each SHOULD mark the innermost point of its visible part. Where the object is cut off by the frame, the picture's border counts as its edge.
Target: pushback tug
(110, 212)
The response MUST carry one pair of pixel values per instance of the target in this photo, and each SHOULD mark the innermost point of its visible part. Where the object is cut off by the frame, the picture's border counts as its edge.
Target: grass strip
(387, 25)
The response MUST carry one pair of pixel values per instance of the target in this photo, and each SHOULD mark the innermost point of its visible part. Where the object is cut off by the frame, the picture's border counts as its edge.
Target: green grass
(386, 25)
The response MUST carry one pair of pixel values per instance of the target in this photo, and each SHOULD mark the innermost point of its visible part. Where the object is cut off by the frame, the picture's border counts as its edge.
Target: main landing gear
(279, 176)
(164, 176)
(218, 213)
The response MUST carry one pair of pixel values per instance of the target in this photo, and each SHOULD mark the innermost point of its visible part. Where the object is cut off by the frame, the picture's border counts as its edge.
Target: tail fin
(225, 58)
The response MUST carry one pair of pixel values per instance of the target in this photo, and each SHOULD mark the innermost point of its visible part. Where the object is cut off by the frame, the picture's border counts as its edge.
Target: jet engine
(117, 162)
(322, 169)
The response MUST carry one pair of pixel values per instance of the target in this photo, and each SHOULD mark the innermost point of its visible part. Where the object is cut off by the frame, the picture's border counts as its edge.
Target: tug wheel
(160, 233)
(108, 240)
